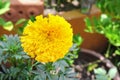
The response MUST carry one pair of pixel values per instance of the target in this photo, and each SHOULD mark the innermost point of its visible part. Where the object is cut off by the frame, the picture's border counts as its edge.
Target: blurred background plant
(66, 5)
(108, 24)
(17, 26)
(4, 7)
(62, 5)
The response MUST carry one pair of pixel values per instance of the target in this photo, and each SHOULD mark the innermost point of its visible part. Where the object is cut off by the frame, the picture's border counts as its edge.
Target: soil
(81, 66)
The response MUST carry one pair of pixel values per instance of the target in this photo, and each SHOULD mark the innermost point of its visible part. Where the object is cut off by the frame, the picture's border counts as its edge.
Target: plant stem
(49, 66)
(94, 62)
(107, 54)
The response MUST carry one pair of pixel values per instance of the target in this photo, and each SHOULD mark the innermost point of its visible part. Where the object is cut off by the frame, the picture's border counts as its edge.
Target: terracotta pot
(91, 41)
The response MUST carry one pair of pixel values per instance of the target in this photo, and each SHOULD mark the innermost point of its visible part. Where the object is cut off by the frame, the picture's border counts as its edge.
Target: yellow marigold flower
(48, 38)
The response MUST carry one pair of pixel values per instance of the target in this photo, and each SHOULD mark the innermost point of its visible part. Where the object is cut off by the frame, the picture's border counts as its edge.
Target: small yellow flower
(48, 38)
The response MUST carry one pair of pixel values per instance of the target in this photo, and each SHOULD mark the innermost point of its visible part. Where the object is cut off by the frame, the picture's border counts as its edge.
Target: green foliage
(54, 71)
(111, 7)
(101, 74)
(105, 25)
(6, 25)
(21, 23)
(77, 39)
(15, 64)
(117, 51)
(109, 27)
(4, 6)
(88, 25)
(12, 59)
(108, 24)
(92, 66)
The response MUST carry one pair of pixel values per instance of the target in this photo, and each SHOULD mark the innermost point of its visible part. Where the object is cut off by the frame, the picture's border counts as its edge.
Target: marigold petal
(47, 39)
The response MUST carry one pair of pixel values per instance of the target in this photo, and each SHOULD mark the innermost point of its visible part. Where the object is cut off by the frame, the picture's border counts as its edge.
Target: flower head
(48, 38)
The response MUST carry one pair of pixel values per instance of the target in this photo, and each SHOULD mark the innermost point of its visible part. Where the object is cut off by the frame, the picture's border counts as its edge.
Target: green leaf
(4, 69)
(32, 18)
(8, 26)
(17, 56)
(96, 21)
(77, 39)
(39, 77)
(13, 71)
(105, 20)
(41, 66)
(49, 76)
(102, 77)
(21, 28)
(2, 21)
(5, 6)
(20, 21)
(62, 77)
(100, 71)
(117, 51)
(88, 22)
(112, 72)
(62, 64)
(54, 77)
(2, 11)
(92, 66)
(88, 25)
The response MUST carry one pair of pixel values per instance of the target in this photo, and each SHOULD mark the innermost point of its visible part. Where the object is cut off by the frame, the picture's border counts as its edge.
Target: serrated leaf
(41, 66)
(8, 26)
(62, 64)
(62, 77)
(40, 75)
(49, 76)
(4, 69)
(17, 56)
(112, 72)
(54, 77)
